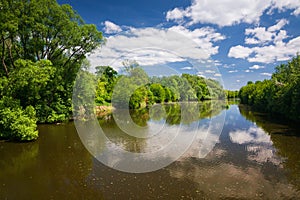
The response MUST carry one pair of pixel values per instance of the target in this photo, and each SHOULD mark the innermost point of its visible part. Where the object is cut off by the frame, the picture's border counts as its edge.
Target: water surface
(254, 157)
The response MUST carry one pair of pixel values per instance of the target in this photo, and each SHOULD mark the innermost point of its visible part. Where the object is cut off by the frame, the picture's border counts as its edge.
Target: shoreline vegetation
(279, 95)
(136, 90)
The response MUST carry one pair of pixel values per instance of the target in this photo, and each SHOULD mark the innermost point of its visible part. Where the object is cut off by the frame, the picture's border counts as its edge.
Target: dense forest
(280, 95)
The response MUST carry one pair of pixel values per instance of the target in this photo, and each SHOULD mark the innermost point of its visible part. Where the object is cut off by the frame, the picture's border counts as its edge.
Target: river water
(252, 157)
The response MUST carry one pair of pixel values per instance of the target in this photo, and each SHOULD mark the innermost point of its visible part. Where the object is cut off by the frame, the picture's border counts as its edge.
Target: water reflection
(285, 139)
(53, 167)
(253, 158)
(128, 147)
(258, 144)
(244, 165)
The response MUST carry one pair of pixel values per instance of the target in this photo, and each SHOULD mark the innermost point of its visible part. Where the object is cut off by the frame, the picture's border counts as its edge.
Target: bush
(17, 123)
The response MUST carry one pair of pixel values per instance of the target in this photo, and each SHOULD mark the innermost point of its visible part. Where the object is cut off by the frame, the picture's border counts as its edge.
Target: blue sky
(228, 40)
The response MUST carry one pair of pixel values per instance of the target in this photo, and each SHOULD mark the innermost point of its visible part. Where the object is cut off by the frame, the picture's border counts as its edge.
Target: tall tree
(38, 30)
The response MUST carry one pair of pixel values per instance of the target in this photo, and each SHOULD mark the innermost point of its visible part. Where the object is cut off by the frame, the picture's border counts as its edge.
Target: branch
(10, 53)
(3, 57)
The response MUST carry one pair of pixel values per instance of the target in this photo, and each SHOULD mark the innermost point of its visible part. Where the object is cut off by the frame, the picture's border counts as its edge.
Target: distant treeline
(141, 90)
(279, 95)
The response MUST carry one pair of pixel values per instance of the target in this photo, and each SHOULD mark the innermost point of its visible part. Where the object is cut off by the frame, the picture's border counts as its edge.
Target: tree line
(280, 95)
(137, 90)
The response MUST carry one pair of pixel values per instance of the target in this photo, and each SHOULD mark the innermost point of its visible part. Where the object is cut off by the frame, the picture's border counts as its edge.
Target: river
(252, 157)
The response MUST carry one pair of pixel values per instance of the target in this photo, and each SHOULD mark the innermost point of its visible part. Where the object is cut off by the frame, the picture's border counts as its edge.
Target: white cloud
(297, 11)
(232, 71)
(283, 5)
(269, 45)
(257, 67)
(239, 52)
(151, 46)
(230, 12)
(281, 23)
(262, 35)
(110, 27)
(201, 75)
(259, 36)
(247, 71)
(186, 68)
(209, 71)
(266, 74)
(176, 14)
(217, 75)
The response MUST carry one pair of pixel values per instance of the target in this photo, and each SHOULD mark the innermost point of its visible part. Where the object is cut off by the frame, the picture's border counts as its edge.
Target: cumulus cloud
(239, 52)
(268, 45)
(230, 12)
(262, 35)
(110, 27)
(177, 14)
(152, 46)
(283, 5)
(232, 71)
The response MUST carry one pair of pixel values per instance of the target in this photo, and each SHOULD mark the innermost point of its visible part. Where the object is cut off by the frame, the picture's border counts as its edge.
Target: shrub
(17, 123)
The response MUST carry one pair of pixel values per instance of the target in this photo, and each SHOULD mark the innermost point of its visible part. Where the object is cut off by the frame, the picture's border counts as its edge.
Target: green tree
(43, 29)
(42, 47)
(17, 123)
(158, 92)
(107, 78)
(280, 95)
(131, 90)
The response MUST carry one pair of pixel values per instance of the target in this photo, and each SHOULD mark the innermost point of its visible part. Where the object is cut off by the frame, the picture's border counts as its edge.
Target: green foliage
(42, 47)
(139, 98)
(17, 123)
(158, 92)
(280, 95)
(83, 96)
(231, 94)
(106, 78)
(204, 89)
(135, 94)
(137, 90)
